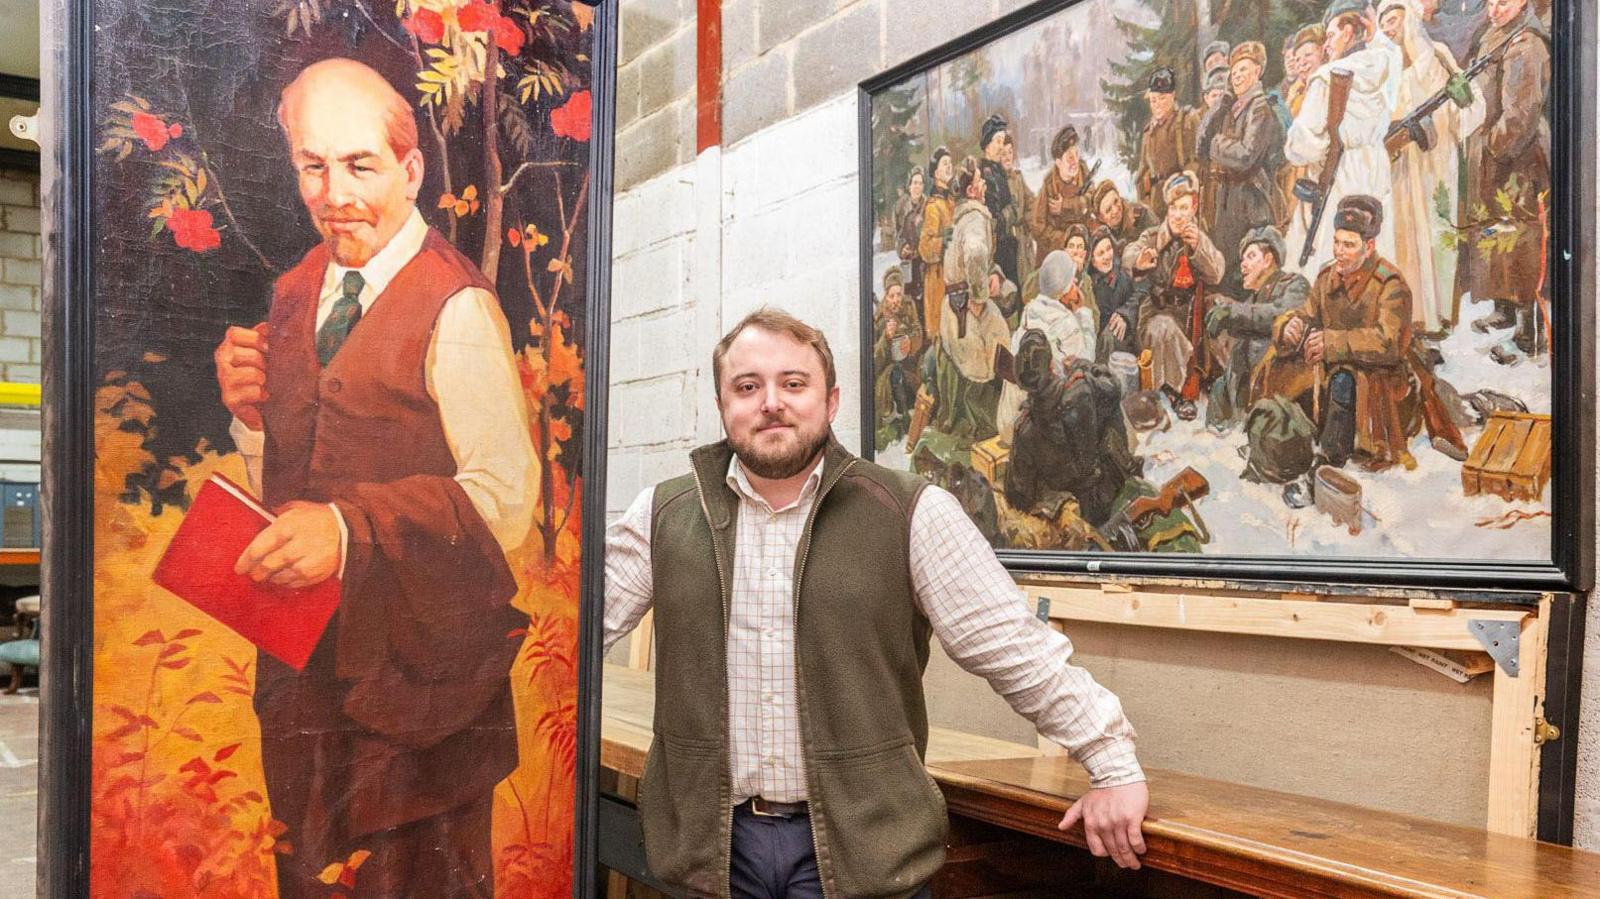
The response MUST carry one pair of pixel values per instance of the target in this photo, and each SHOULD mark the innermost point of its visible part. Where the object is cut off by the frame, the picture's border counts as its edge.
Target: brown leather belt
(768, 809)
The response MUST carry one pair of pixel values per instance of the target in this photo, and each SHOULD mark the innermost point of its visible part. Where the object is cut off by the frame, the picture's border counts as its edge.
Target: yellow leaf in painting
(463, 207)
(554, 266)
(447, 200)
(470, 192)
(358, 858)
(330, 874)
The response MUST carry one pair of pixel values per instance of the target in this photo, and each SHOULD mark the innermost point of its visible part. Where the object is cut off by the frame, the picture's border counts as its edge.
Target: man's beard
(778, 464)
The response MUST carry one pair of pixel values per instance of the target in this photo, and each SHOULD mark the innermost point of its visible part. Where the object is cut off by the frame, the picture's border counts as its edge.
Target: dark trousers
(773, 858)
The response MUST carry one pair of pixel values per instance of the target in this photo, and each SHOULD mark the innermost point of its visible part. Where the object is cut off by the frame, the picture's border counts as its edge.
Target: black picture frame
(67, 498)
(1572, 279)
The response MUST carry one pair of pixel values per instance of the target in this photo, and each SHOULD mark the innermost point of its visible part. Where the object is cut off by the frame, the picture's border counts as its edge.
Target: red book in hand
(198, 567)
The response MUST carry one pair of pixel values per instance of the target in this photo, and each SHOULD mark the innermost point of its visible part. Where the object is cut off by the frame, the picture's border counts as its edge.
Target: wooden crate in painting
(1511, 458)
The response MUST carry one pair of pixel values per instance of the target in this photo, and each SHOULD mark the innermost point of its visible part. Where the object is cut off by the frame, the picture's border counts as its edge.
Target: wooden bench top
(1240, 837)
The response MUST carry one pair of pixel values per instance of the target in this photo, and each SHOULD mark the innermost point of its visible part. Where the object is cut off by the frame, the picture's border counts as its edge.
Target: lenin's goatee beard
(785, 462)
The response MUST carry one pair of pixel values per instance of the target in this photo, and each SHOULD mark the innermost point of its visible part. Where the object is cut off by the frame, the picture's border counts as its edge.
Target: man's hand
(1146, 259)
(1316, 346)
(1111, 817)
(1117, 325)
(1292, 331)
(1055, 205)
(241, 361)
(300, 549)
(1191, 234)
(890, 327)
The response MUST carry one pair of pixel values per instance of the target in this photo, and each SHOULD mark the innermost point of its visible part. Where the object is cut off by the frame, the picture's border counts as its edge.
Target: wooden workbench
(1228, 835)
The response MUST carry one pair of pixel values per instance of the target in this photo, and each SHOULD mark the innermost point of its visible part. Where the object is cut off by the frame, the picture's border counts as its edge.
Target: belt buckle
(759, 806)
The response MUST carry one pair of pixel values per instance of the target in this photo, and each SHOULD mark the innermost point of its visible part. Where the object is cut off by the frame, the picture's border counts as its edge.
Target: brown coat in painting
(404, 711)
(1165, 149)
(1049, 229)
(1512, 145)
(1366, 321)
(1243, 156)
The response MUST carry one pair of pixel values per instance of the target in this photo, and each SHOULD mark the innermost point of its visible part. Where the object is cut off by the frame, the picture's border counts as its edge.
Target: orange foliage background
(179, 805)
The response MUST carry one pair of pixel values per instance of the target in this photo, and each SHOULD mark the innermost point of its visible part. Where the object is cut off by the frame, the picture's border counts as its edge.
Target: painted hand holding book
(198, 567)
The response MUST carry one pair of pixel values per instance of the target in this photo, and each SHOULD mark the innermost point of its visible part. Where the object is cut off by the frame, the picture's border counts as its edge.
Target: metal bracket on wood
(1499, 639)
(1042, 610)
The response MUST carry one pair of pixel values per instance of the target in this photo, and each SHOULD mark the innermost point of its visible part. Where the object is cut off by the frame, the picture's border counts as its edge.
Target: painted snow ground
(1418, 514)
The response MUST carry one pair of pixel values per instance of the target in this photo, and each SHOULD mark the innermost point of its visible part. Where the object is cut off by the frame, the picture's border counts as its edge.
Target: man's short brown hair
(775, 321)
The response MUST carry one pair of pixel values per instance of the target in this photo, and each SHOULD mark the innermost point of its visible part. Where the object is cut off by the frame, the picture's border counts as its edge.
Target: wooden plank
(1513, 755)
(1271, 843)
(1389, 625)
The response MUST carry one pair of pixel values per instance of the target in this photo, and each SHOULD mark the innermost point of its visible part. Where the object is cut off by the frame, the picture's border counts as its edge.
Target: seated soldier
(894, 357)
(1351, 342)
(1069, 442)
(1272, 292)
(1173, 264)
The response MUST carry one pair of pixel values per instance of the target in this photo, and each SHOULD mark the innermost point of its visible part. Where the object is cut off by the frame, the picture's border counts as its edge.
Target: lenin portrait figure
(380, 416)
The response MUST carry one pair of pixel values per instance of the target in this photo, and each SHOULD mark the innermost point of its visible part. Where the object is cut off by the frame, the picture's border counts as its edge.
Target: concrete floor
(19, 791)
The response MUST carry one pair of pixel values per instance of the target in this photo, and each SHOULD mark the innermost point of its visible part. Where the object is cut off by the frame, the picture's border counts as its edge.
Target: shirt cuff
(1111, 762)
(344, 538)
(250, 442)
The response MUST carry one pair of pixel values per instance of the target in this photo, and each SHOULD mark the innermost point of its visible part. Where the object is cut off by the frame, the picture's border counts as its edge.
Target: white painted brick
(15, 296)
(650, 412)
(753, 249)
(622, 480)
(19, 324)
(823, 233)
(15, 349)
(661, 463)
(653, 211)
(22, 218)
(27, 272)
(15, 192)
(648, 280)
(23, 373)
(18, 245)
(665, 344)
(625, 350)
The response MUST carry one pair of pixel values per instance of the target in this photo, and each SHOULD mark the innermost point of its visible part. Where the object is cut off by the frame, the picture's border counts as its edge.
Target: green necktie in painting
(346, 312)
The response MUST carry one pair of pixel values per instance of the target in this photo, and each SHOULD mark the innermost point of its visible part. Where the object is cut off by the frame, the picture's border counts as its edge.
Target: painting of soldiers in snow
(1249, 280)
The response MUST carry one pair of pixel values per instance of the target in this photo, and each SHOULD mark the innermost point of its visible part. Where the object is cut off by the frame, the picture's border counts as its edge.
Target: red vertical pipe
(708, 68)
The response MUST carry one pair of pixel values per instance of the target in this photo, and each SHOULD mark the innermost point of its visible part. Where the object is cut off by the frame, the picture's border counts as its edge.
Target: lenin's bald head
(353, 141)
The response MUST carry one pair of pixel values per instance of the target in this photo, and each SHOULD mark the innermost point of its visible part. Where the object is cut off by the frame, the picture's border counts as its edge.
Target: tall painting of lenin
(341, 301)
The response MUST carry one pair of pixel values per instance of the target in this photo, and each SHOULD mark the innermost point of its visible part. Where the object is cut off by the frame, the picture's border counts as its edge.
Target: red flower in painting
(572, 118)
(427, 25)
(154, 132)
(192, 230)
(477, 16)
(508, 36)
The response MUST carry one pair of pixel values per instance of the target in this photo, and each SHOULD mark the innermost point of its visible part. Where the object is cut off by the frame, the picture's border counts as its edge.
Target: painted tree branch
(517, 173)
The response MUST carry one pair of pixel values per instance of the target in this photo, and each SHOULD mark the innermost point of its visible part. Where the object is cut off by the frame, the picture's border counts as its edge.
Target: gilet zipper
(799, 572)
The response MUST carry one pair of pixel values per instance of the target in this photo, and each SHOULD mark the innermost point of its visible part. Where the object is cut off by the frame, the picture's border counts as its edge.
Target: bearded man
(795, 589)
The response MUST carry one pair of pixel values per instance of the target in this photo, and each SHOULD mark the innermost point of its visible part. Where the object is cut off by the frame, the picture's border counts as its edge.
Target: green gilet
(861, 645)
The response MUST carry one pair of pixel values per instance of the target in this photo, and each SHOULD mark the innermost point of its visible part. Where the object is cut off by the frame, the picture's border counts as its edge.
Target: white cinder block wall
(772, 218)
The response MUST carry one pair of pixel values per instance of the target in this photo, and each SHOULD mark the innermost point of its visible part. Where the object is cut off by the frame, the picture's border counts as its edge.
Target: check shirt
(978, 613)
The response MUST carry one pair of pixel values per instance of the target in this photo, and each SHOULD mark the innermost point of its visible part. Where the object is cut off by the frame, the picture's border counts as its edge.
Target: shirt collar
(382, 268)
(741, 485)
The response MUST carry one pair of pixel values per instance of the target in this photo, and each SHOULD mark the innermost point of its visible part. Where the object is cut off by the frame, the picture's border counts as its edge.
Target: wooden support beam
(1347, 622)
(1513, 754)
